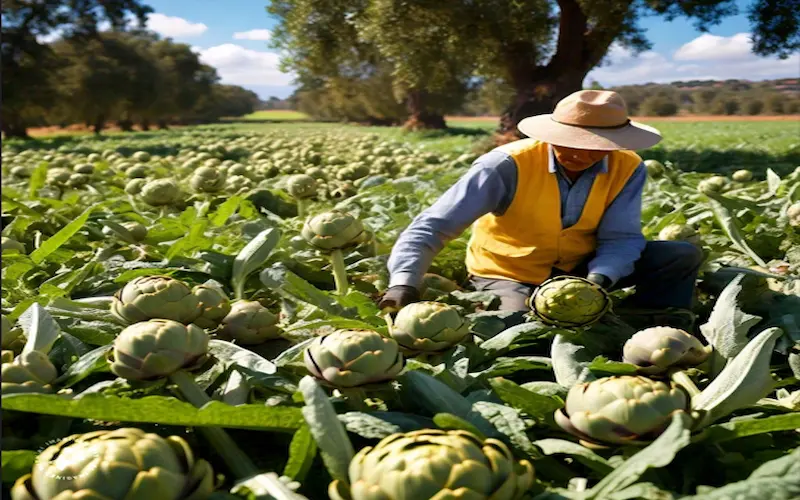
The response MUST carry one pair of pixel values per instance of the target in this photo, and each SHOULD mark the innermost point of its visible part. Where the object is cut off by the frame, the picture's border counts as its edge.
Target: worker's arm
(619, 236)
(488, 186)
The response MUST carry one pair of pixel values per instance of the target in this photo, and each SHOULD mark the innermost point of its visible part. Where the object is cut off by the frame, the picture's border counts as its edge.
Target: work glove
(397, 297)
(599, 279)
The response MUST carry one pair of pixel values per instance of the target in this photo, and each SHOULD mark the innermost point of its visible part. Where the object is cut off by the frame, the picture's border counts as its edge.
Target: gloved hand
(398, 297)
(602, 280)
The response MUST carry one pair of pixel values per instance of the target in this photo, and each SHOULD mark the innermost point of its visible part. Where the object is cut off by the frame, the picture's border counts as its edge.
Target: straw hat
(590, 119)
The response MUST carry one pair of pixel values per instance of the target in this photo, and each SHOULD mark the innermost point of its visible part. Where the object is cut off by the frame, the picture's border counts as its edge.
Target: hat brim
(633, 136)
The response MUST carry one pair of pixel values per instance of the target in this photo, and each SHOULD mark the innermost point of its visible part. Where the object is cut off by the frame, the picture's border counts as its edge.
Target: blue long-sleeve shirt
(489, 186)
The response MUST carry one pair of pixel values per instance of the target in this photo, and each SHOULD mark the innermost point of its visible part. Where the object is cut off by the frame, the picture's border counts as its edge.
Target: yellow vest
(528, 240)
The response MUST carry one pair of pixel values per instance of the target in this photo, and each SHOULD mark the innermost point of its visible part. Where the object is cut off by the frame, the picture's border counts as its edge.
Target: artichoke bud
(334, 230)
(158, 348)
(250, 323)
(429, 327)
(620, 410)
(148, 297)
(207, 180)
(12, 338)
(793, 212)
(301, 186)
(679, 232)
(434, 285)
(7, 356)
(569, 301)
(432, 463)
(29, 372)
(120, 464)
(654, 168)
(160, 192)
(214, 306)
(351, 358)
(654, 350)
(742, 176)
(134, 186)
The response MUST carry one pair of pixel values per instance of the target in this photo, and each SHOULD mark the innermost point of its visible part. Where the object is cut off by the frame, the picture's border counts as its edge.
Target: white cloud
(240, 66)
(706, 57)
(262, 35)
(709, 47)
(175, 27)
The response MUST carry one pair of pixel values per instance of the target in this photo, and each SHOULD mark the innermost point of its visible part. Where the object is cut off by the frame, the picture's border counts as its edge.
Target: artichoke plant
(160, 192)
(655, 168)
(301, 187)
(121, 464)
(157, 348)
(435, 464)
(214, 306)
(350, 358)
(148, 297)
(250, 323)
(569, 301)
(29, 372)
(331, 232)
(679, 232)
(793, 212)
(12, 338)
(434, 285)
(620, 410)
(742, 176)
(655, 350)
(429, 327)
(134, 186)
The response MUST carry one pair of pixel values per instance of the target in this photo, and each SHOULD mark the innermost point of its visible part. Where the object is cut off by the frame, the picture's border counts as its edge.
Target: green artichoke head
(12, 338)
(122, 464)
(134, 186)
(148, 297)
(742, 176)
(793, 212)
(429, 327)
(620, 410)
(141, 156)
(58, 176)
(10, 245)
(160, 192)
(679, 232)
(214, 306)
(29, 372)
(569, 301)
(656, 349)
(207, 180)
(435, 464)
(655, 168)
(434, 285)
(334, 230)
(301, 186)
(250, 323)
(714, 184)
(158, 348)
(350, 358)
(137, 232)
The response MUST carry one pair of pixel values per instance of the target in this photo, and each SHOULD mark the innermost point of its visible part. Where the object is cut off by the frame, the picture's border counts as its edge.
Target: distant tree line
(412, 61)
(706, 97)
(128, 76)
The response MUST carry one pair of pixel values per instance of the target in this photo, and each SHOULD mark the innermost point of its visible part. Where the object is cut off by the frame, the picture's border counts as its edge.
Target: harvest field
(218, 284)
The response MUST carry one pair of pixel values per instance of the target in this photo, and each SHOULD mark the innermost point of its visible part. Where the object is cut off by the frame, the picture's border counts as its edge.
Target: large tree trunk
(145, 124)
(162, 125)
(99, 124)
(538, 94)
(125, 125)
(14, 128)
(419, 115)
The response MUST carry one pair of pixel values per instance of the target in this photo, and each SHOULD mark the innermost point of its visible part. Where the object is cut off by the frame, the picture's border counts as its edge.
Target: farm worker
(565, 200)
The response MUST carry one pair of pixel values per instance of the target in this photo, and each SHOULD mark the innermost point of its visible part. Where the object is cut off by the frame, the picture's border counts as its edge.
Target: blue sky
(231, 35)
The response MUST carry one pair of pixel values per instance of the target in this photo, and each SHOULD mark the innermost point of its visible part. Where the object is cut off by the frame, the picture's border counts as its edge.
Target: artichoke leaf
(744, 380)
(40, 328)
(727, 326)
(571, 362)
(253, 256)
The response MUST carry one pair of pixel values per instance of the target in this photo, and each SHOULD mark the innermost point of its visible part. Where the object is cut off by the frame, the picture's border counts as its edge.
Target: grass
(276, 115)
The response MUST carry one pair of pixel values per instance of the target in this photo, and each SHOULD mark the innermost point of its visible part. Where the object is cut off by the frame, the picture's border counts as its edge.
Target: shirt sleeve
(488, 186)
(619, 236)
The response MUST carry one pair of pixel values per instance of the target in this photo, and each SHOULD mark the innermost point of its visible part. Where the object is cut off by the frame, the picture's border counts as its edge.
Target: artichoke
(350, 358)
(148, 297)
(334, 230)
(656, 349)
(679, 232)
(250, 323)
(11, 245)
(134, 186)
(434, 285)
(12, 338)
(58, 176)
(655, 168)
(158, 348)
(207, 180)
(214, 306)
(160, 192)
(137, 232)
(141, 156)
(620, 410)
(429, 327)
(714, 184)
(742, 176)
(301, 186)
(29, 372)
(122, 464)
(435, 464)
(569, 301)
